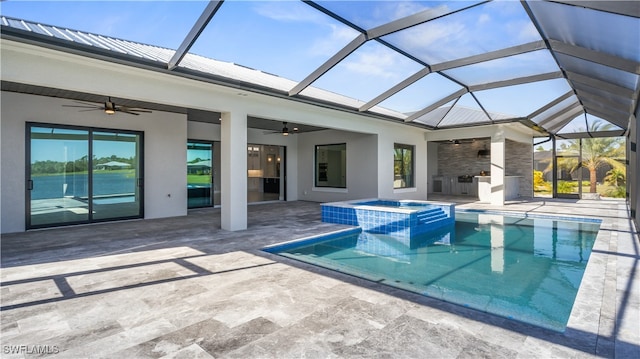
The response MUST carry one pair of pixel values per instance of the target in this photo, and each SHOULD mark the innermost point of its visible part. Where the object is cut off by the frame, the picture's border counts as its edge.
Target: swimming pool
(520, 267)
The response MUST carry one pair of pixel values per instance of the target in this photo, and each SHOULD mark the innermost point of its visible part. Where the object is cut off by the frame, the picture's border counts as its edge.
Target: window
(402, 166)
(82, 175)
(331, 166)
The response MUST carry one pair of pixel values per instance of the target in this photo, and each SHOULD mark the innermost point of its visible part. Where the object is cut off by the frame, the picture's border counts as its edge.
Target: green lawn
(198, 179)
(604, 190)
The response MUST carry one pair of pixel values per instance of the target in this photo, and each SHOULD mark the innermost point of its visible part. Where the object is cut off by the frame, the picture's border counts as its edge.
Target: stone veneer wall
(519, 162)
(463, 160)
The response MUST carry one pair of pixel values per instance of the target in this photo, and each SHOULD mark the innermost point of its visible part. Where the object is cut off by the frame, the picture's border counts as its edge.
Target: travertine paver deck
(181, 287)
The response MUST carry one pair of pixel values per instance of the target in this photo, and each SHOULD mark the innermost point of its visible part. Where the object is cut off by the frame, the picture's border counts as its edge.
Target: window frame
(412, 149)
(140, 147)
(316, 166)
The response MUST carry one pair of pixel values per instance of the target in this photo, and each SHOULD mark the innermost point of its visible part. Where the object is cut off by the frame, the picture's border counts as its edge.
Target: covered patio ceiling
(558, 67)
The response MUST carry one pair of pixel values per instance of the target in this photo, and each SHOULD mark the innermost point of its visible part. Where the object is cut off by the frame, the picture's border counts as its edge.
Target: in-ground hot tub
(406, 218)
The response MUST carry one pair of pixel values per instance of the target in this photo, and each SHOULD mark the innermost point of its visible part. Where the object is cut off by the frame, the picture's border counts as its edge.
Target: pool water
(526, 269)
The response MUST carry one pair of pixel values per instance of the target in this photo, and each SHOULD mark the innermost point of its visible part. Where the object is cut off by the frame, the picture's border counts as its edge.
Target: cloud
(289, 11)
(379, 62)
(527, 31)
(406, 8)
(328, 45)
(435, 41)
(484, 19)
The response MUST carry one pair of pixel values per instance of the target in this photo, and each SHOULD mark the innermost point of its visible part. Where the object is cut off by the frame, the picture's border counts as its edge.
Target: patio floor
(181, 287)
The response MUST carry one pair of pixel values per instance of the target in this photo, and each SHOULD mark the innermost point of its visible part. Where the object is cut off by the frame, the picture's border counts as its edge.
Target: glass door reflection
(265, 173)
(569, 173)
(82, 175)
(115, 187)
(58, 178)
(200, 174)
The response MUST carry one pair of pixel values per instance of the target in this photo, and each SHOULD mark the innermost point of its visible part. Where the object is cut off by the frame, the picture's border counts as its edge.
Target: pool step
(431, 216)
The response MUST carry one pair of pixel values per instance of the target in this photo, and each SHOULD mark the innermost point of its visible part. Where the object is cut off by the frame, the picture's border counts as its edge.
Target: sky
(291, 39)
(70, 145)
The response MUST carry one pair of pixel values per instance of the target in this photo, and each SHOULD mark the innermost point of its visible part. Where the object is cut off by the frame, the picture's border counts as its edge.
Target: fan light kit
(284, 131)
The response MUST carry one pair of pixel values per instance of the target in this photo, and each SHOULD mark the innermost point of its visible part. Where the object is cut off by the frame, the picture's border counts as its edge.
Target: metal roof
(587, 53)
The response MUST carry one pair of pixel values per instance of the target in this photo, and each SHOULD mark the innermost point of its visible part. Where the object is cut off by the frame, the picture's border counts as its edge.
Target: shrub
(617, 192)
(566, 187)
(539, 184)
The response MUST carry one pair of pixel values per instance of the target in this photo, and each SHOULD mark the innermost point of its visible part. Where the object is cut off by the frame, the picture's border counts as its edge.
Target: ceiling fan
(109, 107)
(285, 130)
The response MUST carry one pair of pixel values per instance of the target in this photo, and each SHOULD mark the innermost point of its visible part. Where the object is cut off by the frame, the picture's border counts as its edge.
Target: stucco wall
(165, 135)
(362, 166)
(386, 143)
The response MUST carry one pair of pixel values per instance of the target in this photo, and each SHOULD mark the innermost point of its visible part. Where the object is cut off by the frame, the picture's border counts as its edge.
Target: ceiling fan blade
(93, 109)
(87, 103)
(132, 109)
(127, 112)
(78, 106)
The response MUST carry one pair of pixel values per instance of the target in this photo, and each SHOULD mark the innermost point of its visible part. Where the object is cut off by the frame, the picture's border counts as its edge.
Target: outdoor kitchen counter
(450, 185)
(511, 187)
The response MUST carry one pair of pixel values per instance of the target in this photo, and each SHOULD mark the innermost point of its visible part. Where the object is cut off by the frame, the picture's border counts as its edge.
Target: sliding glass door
(116, 191)
(58, 184)
(568, 182)
(82, 175)
(265, 173)
(202, 183)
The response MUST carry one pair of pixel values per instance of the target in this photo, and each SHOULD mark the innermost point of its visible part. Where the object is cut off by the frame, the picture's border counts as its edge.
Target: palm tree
(616, 177)
(597, 152)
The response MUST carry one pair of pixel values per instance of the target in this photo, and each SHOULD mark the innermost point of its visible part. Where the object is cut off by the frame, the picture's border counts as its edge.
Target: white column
(233, 171)
(497, 168)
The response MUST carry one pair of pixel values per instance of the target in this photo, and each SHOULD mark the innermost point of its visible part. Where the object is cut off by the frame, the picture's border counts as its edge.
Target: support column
(498, 168)
(233, 171)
